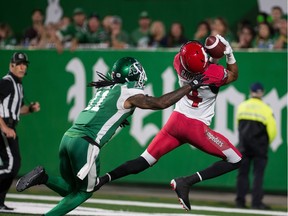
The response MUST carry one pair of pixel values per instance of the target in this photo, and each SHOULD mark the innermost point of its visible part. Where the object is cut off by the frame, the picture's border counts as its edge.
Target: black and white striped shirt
(11, 98)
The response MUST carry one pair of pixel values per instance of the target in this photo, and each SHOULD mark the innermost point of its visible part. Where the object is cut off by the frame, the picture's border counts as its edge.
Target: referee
(11, 106)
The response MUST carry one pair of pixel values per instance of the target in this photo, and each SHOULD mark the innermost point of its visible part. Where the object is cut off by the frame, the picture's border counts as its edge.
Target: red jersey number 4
(195, 98)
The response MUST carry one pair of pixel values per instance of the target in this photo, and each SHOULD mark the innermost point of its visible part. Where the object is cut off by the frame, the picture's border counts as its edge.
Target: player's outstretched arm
(166, 100)
(155, 103)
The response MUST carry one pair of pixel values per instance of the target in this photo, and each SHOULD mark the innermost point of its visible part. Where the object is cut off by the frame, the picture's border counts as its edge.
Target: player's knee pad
(232, 156)
(149, 158)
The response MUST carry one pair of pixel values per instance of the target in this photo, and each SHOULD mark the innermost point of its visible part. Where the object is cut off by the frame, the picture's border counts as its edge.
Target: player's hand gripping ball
(214, 47)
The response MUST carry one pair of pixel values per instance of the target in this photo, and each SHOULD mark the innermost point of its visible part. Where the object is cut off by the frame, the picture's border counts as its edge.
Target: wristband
(31, 110)
(230, 59)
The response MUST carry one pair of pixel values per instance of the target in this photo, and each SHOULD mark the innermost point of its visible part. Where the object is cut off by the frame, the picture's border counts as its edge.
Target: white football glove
(230, 59)
(228, 49)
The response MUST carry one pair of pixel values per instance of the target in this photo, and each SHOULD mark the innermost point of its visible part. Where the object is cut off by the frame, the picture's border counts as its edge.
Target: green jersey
(104, 113)
(92, 37)
(68, 33)
(139, 38)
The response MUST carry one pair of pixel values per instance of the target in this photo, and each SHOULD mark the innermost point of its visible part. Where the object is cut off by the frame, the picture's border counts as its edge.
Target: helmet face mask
(193, 57)
(140, 73)
(129, 69)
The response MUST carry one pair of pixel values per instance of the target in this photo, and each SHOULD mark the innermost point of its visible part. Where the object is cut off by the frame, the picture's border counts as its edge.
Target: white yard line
(41, 208)
(148, 204)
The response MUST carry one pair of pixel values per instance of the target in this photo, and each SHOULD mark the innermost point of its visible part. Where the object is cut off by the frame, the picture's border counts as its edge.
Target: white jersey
(200, 104)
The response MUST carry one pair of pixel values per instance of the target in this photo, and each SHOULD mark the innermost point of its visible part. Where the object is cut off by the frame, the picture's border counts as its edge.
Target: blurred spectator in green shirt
(94, 37)
(276, 16)
(66, 35)
(140, 36)
(119, 39)
(281, 40)
(106, 24)
(6, 36)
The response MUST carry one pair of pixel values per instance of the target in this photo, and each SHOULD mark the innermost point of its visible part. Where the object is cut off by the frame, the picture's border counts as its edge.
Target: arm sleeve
(129, 92)
(217, 75)
(177, 65)
(5, 88)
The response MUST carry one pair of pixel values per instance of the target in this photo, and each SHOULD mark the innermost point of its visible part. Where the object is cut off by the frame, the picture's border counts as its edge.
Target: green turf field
(133, 204)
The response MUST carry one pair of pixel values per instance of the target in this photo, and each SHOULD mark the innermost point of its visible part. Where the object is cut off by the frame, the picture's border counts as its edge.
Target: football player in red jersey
(189, 122)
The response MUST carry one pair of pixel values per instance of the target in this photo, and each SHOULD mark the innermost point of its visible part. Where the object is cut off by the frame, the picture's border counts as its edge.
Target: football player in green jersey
(116, 98)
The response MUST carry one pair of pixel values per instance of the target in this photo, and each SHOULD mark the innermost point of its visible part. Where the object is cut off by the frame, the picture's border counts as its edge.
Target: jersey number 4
(194, 97)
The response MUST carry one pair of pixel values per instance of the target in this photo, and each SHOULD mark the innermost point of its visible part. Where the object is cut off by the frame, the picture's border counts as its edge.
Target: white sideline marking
(149, 204)
(41, 208)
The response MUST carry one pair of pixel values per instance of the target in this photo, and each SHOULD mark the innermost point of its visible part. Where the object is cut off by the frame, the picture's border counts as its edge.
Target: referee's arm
(9, 132)
(33, 107)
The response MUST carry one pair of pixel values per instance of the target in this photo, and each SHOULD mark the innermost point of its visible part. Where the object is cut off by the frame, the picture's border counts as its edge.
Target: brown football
(214, 47)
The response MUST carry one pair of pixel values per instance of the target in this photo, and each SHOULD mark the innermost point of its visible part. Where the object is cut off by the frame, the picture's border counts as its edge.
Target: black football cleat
(182, 190)
(35, 177)
(261, 206)
(5, 208)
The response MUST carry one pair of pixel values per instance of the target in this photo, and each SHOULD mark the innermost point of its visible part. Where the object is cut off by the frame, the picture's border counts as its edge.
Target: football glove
(197, 81)
(228, 49)
(230, 59)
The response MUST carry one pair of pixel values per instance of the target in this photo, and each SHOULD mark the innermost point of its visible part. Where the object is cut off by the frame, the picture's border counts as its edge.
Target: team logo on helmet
(135, 68)
(128, 69)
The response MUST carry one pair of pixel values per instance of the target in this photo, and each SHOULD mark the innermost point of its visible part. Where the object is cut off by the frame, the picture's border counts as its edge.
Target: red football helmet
(193, 57)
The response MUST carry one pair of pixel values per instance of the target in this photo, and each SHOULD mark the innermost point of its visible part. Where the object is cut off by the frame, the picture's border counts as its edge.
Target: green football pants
(74, 153)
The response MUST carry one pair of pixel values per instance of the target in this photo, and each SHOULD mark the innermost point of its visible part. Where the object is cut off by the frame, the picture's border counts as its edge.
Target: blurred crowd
(90, 31)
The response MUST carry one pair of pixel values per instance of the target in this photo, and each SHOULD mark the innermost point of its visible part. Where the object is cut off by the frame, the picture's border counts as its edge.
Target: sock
(130, 167)
(104, 179)
(218, 168)
(193, 179)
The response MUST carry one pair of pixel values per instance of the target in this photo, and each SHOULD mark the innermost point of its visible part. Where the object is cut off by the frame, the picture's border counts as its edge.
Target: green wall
(188, 12)
(58, 82)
